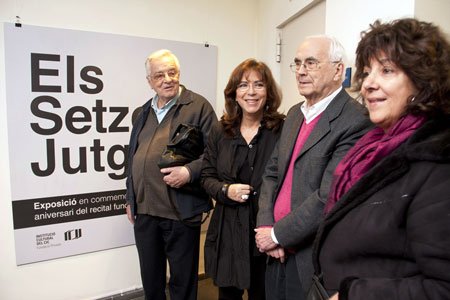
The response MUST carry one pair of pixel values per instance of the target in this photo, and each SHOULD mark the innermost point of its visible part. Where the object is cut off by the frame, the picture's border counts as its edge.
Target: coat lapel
(285, 152)
(323, 127)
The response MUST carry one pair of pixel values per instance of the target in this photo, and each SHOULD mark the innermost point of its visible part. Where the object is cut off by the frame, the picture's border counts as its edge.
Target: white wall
(230, 25)
(435, 11)
(347, 18)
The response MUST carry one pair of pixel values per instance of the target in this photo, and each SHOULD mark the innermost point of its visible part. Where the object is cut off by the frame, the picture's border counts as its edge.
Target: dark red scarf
(368, 151)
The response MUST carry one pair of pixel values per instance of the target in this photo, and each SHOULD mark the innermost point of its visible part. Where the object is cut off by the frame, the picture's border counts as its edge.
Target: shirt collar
(313, 111)
(166, 106)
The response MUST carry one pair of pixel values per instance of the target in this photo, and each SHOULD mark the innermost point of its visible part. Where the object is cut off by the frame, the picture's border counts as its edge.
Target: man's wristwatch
(225, 189)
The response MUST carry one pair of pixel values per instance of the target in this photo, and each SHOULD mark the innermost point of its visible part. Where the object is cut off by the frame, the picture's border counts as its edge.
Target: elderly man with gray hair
(165, 215)
(316, 135)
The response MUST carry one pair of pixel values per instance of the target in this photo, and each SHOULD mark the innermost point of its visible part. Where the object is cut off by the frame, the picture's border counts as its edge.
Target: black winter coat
(388, 237)
(230, 237)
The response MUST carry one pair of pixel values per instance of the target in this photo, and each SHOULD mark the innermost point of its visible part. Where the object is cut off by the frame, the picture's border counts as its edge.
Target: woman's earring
(267, 106)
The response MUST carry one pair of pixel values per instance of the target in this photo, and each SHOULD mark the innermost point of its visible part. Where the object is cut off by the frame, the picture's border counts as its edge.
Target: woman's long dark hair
(233, 112)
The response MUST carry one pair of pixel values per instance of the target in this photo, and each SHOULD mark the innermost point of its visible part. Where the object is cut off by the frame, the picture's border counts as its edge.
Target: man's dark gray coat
(341, 124)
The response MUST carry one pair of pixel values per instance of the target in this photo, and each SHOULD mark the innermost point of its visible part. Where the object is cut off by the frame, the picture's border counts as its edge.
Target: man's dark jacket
(192, 109)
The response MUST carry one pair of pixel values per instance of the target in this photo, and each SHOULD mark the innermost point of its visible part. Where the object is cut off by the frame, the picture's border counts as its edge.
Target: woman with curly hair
(386, 233)
(237, 151)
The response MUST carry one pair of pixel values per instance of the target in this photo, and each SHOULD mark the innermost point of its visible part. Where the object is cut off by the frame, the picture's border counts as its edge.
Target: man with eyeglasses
(317, 133)
(166, 218)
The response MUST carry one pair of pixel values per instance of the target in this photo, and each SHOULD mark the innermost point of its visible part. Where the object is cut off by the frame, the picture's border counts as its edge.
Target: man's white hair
(159, 54)
(336, 51)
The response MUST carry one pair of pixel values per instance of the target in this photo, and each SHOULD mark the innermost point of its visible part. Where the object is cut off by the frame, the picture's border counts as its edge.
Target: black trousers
(158, 239)
(282, 280)
(256, 290)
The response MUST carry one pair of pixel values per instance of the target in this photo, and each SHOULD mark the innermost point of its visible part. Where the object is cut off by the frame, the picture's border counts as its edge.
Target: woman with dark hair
(237, 151)
(386, 233)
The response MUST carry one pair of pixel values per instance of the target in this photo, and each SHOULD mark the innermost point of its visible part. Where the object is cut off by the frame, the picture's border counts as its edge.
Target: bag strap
(318, 283)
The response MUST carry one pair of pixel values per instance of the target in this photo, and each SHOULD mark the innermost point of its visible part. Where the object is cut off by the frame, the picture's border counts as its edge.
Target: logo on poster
(72, 234)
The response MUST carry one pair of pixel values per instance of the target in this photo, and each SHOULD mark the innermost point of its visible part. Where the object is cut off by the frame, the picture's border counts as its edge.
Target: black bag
(186, 146)
(317, 291)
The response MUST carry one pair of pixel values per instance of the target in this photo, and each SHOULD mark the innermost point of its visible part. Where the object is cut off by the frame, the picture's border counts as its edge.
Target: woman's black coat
(388, 237)
(230, 238)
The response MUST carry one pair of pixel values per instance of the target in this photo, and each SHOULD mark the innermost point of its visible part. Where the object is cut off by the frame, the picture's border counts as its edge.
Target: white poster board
(70, 96)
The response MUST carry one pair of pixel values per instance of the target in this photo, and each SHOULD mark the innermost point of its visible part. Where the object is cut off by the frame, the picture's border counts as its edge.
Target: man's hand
(130, 217)
(278, 252)
(176, 177)
(264, 240)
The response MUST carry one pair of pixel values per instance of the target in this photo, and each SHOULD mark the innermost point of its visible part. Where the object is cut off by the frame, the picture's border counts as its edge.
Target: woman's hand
(239, 192)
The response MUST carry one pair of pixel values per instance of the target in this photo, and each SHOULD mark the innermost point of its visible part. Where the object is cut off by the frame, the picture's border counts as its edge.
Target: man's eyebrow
(306, 59)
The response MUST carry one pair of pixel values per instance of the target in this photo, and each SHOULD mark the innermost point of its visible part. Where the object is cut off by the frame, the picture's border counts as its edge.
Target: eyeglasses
(244, 86)
(309, 64)
(161, 75)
